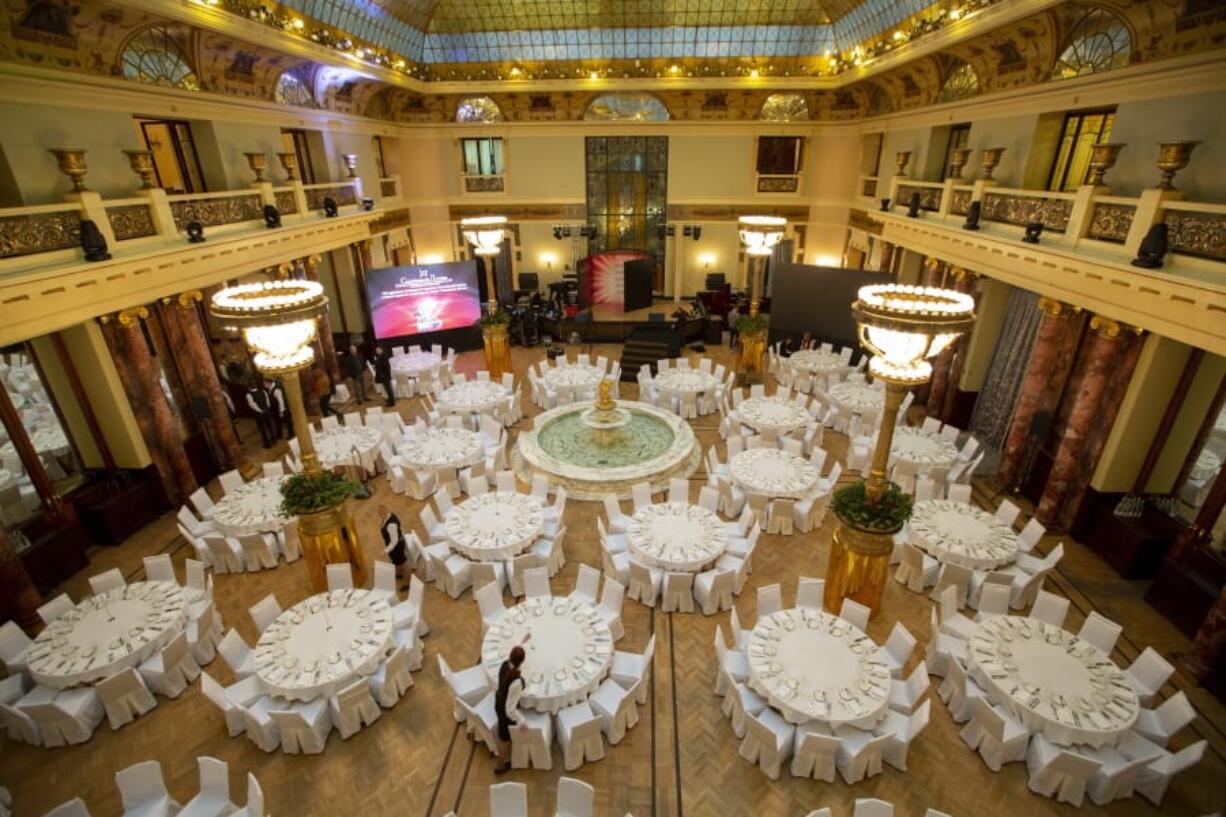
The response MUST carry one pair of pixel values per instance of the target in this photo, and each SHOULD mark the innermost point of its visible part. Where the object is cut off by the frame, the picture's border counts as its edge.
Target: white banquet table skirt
(416, 363)
(574, 376)
(813, 666)
(568, 656)
(320, 645)
(773, 473)
(473, 396)
(686, 381)
(923, 448)
(1052, 681)
(772, 414)
(106, 633)
(338, 446)
(430, 448)
(961, 534)
(676, 536)
(859, 398)
(494, 526)
(816, 361)
(253, 508)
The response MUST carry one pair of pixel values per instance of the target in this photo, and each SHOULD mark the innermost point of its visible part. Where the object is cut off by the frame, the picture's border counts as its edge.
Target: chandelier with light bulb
(278, 321)
(760, 234)
(484, 233)
(905, 326)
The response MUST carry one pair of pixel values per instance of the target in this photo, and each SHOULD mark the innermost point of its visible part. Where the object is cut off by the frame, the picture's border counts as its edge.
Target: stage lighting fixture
(687, 231)
(672, 230)
(697, 233)
(566, 231)
(272, 216)
(557, 232)
(368, 203)
(195, 232)
(330, 208)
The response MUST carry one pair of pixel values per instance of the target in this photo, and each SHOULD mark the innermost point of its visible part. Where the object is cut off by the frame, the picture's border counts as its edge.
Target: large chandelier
(905, 326)
(760, 234)
(278, 321)
(485, 233)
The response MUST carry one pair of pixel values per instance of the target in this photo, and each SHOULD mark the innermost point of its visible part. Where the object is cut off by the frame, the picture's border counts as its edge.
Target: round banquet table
(335, 446)
(962, 534)
(773, 472)
(676, 536)
(441, 448)
(471, 396)
(414, 363)
(816, 361)
(1207, 464)
(323, 643)
(46, 440)
(686, 381)
(925, 449)
(574, 376)
(106, 633)
(1052, 681)
(813, 666)
(253, 508)
(494, 526)
(772, 414)
(570, 652)
(858, 397)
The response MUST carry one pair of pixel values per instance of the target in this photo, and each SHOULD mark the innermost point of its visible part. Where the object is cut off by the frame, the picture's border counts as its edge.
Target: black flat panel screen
(817, 300)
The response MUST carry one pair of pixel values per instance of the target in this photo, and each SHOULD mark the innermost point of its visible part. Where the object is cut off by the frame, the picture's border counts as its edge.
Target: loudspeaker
(195, 232)
(272, 216)
(330, 208)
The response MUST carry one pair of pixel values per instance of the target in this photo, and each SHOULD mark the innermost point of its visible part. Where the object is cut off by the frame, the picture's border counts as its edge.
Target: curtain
(994, 408)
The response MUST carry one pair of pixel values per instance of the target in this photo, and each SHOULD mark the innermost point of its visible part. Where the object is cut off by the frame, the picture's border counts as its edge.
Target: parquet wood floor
(679, 761)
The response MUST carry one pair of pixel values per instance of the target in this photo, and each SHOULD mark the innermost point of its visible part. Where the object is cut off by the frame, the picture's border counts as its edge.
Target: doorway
(175, 161)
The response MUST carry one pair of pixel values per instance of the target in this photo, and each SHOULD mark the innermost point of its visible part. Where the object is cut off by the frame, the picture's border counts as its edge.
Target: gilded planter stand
(497, 350)
(753, 349)
(859, 565)
(330, 537)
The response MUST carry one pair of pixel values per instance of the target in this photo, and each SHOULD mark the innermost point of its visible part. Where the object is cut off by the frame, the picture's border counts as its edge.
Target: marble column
(886, 263)
(139, 374)
(1050, 360)
(1103, 361)
(19, 598)
(327, 343)
(965, 282)
(943, 383)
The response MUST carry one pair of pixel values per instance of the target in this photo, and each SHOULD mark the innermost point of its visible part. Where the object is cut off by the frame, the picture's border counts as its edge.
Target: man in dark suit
(383, 374)
(282, 423)
(260, 401)
(353, 366)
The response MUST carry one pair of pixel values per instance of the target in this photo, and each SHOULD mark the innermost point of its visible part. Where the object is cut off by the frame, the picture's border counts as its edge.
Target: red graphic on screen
(423, 298)
(606, 275)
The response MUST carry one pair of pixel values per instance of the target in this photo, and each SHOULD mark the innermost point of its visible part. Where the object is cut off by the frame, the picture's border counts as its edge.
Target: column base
(858, 568)
(330, 537)
(497, 350)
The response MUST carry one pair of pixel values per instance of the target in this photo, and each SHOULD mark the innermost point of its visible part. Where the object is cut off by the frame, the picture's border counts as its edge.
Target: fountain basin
(651, 445)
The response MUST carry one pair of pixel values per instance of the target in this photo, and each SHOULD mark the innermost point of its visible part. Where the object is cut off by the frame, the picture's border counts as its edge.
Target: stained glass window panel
(155, 56)
(1098, 42)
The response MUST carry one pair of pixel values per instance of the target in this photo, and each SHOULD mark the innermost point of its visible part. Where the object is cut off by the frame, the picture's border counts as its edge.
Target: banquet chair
(540, 488)
(917, 570)
(443, 501)
(383, 581)
(678, 592)
(941, 648)
(354, 707)
(860, 753)
(18, 725)
(213, 799)
(578, 731)
(14, 647)
(143, 790)
(230, 700)
(645, 582)
(1007, 512)
(351, 419)
(124, 697)
(713, 590)
(494, 573)
(768, 741)
(70, 808)
(454, 574)
(960, 691)
(901, 729)
(258, 552)
(814, 752)
(160, 568)
(868, 807)
(955, 576)
(995, 734)
(950, 433)
(1161, 724)
(770, 600)
(780, 517)
(1148, 673)
(273, 469)
(481, 721)
(392, 678)
(201, 501)
(993, 601)
(614, 704)
(435, 532)
(340, 577)
(610, 607)
(550, 552)
(509, 800)
(855, 614)
(467, 686)
(504, 481)
(738, 704)
(489, 601)
(532, 742)
(905, 695)
(230, 481)
(731, 666)
(1115, 778)
(304, 727)
(476, 485)
(732, 498)
(409, 611)
(708, 498)
(810, 592)
(1100, 631)
(898, 648)
(575, 798)
(169, 670)
(931, 425)
(632, 670)
(587, 584)
(261, 729)
(1030, 535)
(237, 654)
(1026, 589)
(1029, 564)
(536, 583)
(809, 512)
(227, 554)
(959, 493)
(1154, 779)
(266, 610)
(106, 581)
(1058, 772)
(1049, 608)
(641, 493)
(679, 490)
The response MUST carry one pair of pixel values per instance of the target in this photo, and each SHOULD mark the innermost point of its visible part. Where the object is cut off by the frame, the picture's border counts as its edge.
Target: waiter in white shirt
(393, 541)
(506, 702)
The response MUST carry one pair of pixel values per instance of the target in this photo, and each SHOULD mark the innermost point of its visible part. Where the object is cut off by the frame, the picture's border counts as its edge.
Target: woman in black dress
(506, 703)
(393, 541)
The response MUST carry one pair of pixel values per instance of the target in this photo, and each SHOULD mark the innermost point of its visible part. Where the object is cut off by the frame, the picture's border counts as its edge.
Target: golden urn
(142, 165)
(72, 165)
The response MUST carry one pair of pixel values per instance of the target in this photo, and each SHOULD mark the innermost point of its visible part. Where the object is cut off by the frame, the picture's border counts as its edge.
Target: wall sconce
(549, 259)
(706, 259)
(827, 261)
(431, 258)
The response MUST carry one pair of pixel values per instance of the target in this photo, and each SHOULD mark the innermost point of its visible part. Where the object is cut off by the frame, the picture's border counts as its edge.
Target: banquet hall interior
(657, 408)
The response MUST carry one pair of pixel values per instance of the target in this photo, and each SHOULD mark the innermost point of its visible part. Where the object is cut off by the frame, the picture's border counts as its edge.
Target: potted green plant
(886, 516)
(497, 343)
(312, 493)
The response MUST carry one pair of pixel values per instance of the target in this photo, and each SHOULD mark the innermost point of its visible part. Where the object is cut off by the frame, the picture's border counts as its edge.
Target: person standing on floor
(259, 400)
(393, 541)
(734, 315)
(354, 369)
(282, 423)
(383, 374)
(506, 702)
(321, 387)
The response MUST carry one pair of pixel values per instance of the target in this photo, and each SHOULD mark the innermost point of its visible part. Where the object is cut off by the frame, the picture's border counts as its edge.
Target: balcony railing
(777, 183)
(389, 188)
(483, 184)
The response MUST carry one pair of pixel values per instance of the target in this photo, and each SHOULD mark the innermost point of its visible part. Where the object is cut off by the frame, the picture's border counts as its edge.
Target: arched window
(478, 109)
(1099, 41)
(961, 83)
(639, 107)
(785, 108)
(155, 56)
(291, 90)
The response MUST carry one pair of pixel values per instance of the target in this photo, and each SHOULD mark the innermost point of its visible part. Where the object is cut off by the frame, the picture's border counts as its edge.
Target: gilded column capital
(282, 271)
(931, 264)
(131, 316)
(1111, 328)
(186, 299)
(1053, 308)
(960, 274)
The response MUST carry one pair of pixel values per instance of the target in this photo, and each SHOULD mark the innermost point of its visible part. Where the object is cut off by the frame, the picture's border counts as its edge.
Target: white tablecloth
(687, 381)
(676, 536)
(772, 414)
(812, 666)
(106, 633)
(471, 396)
(414, 363)
(335, 446)
(1053, 681)
(773, 472)
(253, 508)
(574, 376)
(858, 397)
(961, 534)
(441, 448)
(568, 656)
(925, 449)
(321, 644)
(816, 361)
(494, 526)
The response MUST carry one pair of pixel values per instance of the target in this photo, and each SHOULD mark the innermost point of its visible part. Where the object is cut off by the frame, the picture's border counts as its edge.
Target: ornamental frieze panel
(217, 211)
(1111, 222)
(1200, 234)
(342, 194)
(929, 197)
(960, 202)
(40, 232)
(286, 202)
(131, 221)
(1022, 210)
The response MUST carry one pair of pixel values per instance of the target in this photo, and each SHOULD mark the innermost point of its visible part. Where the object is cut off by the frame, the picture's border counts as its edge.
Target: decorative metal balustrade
(216, 209)
(130, 221)
(34, 230)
